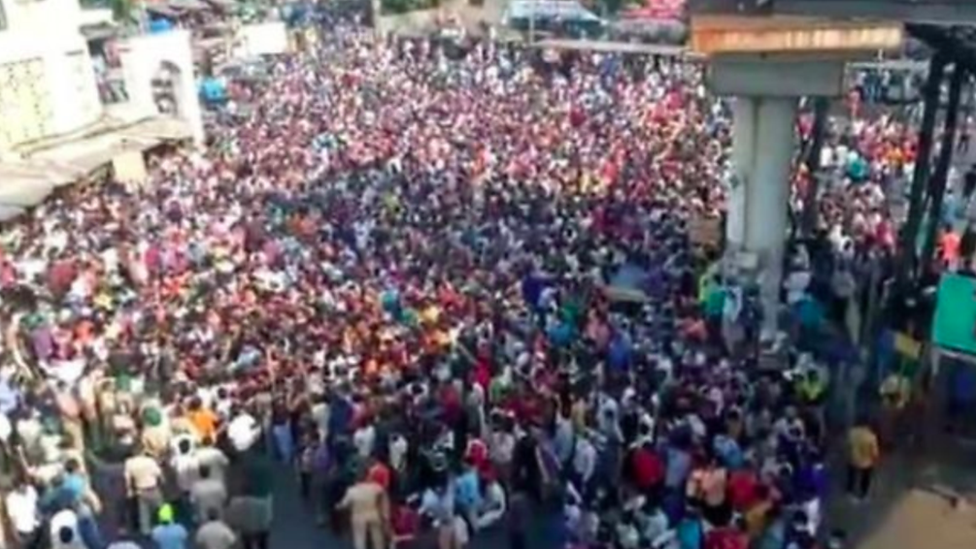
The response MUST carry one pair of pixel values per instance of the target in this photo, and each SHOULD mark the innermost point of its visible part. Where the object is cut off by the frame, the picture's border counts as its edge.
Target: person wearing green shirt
(259, 476)
(714, 300)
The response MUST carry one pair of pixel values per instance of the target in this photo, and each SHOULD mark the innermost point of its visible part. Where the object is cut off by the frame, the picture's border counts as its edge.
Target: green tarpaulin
(954, 326)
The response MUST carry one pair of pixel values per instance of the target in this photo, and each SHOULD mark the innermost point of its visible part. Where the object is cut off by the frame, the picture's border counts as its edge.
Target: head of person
(184, 446)
(66, 536)
(72, 466)
(205, 472)
(166, 514)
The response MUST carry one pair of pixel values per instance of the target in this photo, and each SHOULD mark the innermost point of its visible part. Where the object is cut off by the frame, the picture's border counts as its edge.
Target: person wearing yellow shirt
(863, 454)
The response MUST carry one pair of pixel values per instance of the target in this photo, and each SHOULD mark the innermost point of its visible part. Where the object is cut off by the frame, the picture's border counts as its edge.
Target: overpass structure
(769, 53)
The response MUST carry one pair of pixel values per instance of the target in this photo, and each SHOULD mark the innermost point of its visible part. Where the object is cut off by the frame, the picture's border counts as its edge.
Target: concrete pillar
(767, 195)
(766, 91)
(743, 159)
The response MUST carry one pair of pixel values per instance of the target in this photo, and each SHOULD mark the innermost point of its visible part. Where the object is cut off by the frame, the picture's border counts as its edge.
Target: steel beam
(933, 87)
(937, 185)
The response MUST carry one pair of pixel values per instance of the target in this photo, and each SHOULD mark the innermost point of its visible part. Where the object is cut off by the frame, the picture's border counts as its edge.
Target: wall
(47, 85)
(142, 57)
(262, 39)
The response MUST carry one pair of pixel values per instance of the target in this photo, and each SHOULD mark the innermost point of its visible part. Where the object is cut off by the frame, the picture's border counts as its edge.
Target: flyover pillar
(765, 92)
(767, 197)
(766, 64)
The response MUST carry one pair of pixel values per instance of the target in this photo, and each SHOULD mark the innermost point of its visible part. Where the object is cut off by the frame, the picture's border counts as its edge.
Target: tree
(611, 7)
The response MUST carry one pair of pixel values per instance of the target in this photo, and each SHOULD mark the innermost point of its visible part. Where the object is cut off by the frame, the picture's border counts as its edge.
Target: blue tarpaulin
(213, 90)
(159, 25)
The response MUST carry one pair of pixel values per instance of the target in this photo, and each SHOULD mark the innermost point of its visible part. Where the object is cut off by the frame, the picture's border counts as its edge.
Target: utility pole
(937, 185)
(533, 6)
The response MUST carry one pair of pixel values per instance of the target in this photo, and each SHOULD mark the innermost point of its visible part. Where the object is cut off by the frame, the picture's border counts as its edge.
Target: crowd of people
(455, 290)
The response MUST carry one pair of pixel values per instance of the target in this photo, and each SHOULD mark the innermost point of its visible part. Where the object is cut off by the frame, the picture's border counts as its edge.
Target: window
(25, 107)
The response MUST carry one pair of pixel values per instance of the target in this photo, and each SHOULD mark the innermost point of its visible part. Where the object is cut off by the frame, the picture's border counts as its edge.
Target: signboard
(909, 11)
(130, 167)
(734, 34)
(705, 231)
(263, 39)
(954, 325)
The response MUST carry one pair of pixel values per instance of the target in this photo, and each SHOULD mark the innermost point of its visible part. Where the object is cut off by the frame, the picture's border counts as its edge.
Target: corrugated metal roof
(22, 189)
(9, 212)
(28, 181)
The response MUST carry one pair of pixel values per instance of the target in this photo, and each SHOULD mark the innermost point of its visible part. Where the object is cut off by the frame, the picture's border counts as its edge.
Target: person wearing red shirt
(380, 474)
(742, 489)
(727, 537)
(647, 469)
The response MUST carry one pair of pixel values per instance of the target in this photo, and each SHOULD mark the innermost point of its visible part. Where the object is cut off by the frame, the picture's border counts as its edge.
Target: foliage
(605, 8)
(405, 6)
(123, 10)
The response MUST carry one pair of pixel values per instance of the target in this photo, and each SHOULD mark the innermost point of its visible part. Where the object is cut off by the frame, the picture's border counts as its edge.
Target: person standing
(214, 533)
(368, 508)
(863, 454)
(250, 514)
(169, 534)
(208, 495)
(64, 531)
(208, 455)
(205, 421)
(143, 480)
(22, 511)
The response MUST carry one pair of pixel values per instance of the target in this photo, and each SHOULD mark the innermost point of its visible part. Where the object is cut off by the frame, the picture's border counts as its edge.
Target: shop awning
(9, 212)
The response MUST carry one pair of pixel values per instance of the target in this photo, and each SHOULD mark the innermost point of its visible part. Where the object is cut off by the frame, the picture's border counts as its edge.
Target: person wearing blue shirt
(340, 416)
(689, 532)
(561, 334)
(619, 354)
(61, 496)
(728, 450)
(74, 480)
(169, 534)
(466, 491)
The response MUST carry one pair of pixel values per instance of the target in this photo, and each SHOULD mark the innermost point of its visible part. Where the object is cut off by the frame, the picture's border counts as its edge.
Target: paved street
(294, 526)
(924, 497)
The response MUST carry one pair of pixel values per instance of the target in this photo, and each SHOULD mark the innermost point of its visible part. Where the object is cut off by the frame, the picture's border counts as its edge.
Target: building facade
(47, 85)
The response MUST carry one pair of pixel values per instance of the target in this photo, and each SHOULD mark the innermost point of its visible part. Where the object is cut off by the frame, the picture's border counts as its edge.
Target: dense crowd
(454, 288)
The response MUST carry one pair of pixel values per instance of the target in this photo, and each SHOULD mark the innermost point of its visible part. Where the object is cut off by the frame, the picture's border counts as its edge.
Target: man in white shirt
(210, 456)
(64, 531)
(215, 534)
(208, 495)
(398, 452)
(320, 413)
(243, 431)
(23, 514)
(584, 460)
(184, 463)
(364, 439)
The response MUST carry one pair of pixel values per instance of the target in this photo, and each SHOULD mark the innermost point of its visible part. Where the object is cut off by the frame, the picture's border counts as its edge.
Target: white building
(54, 128)
(48, 88)
(47, 85)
